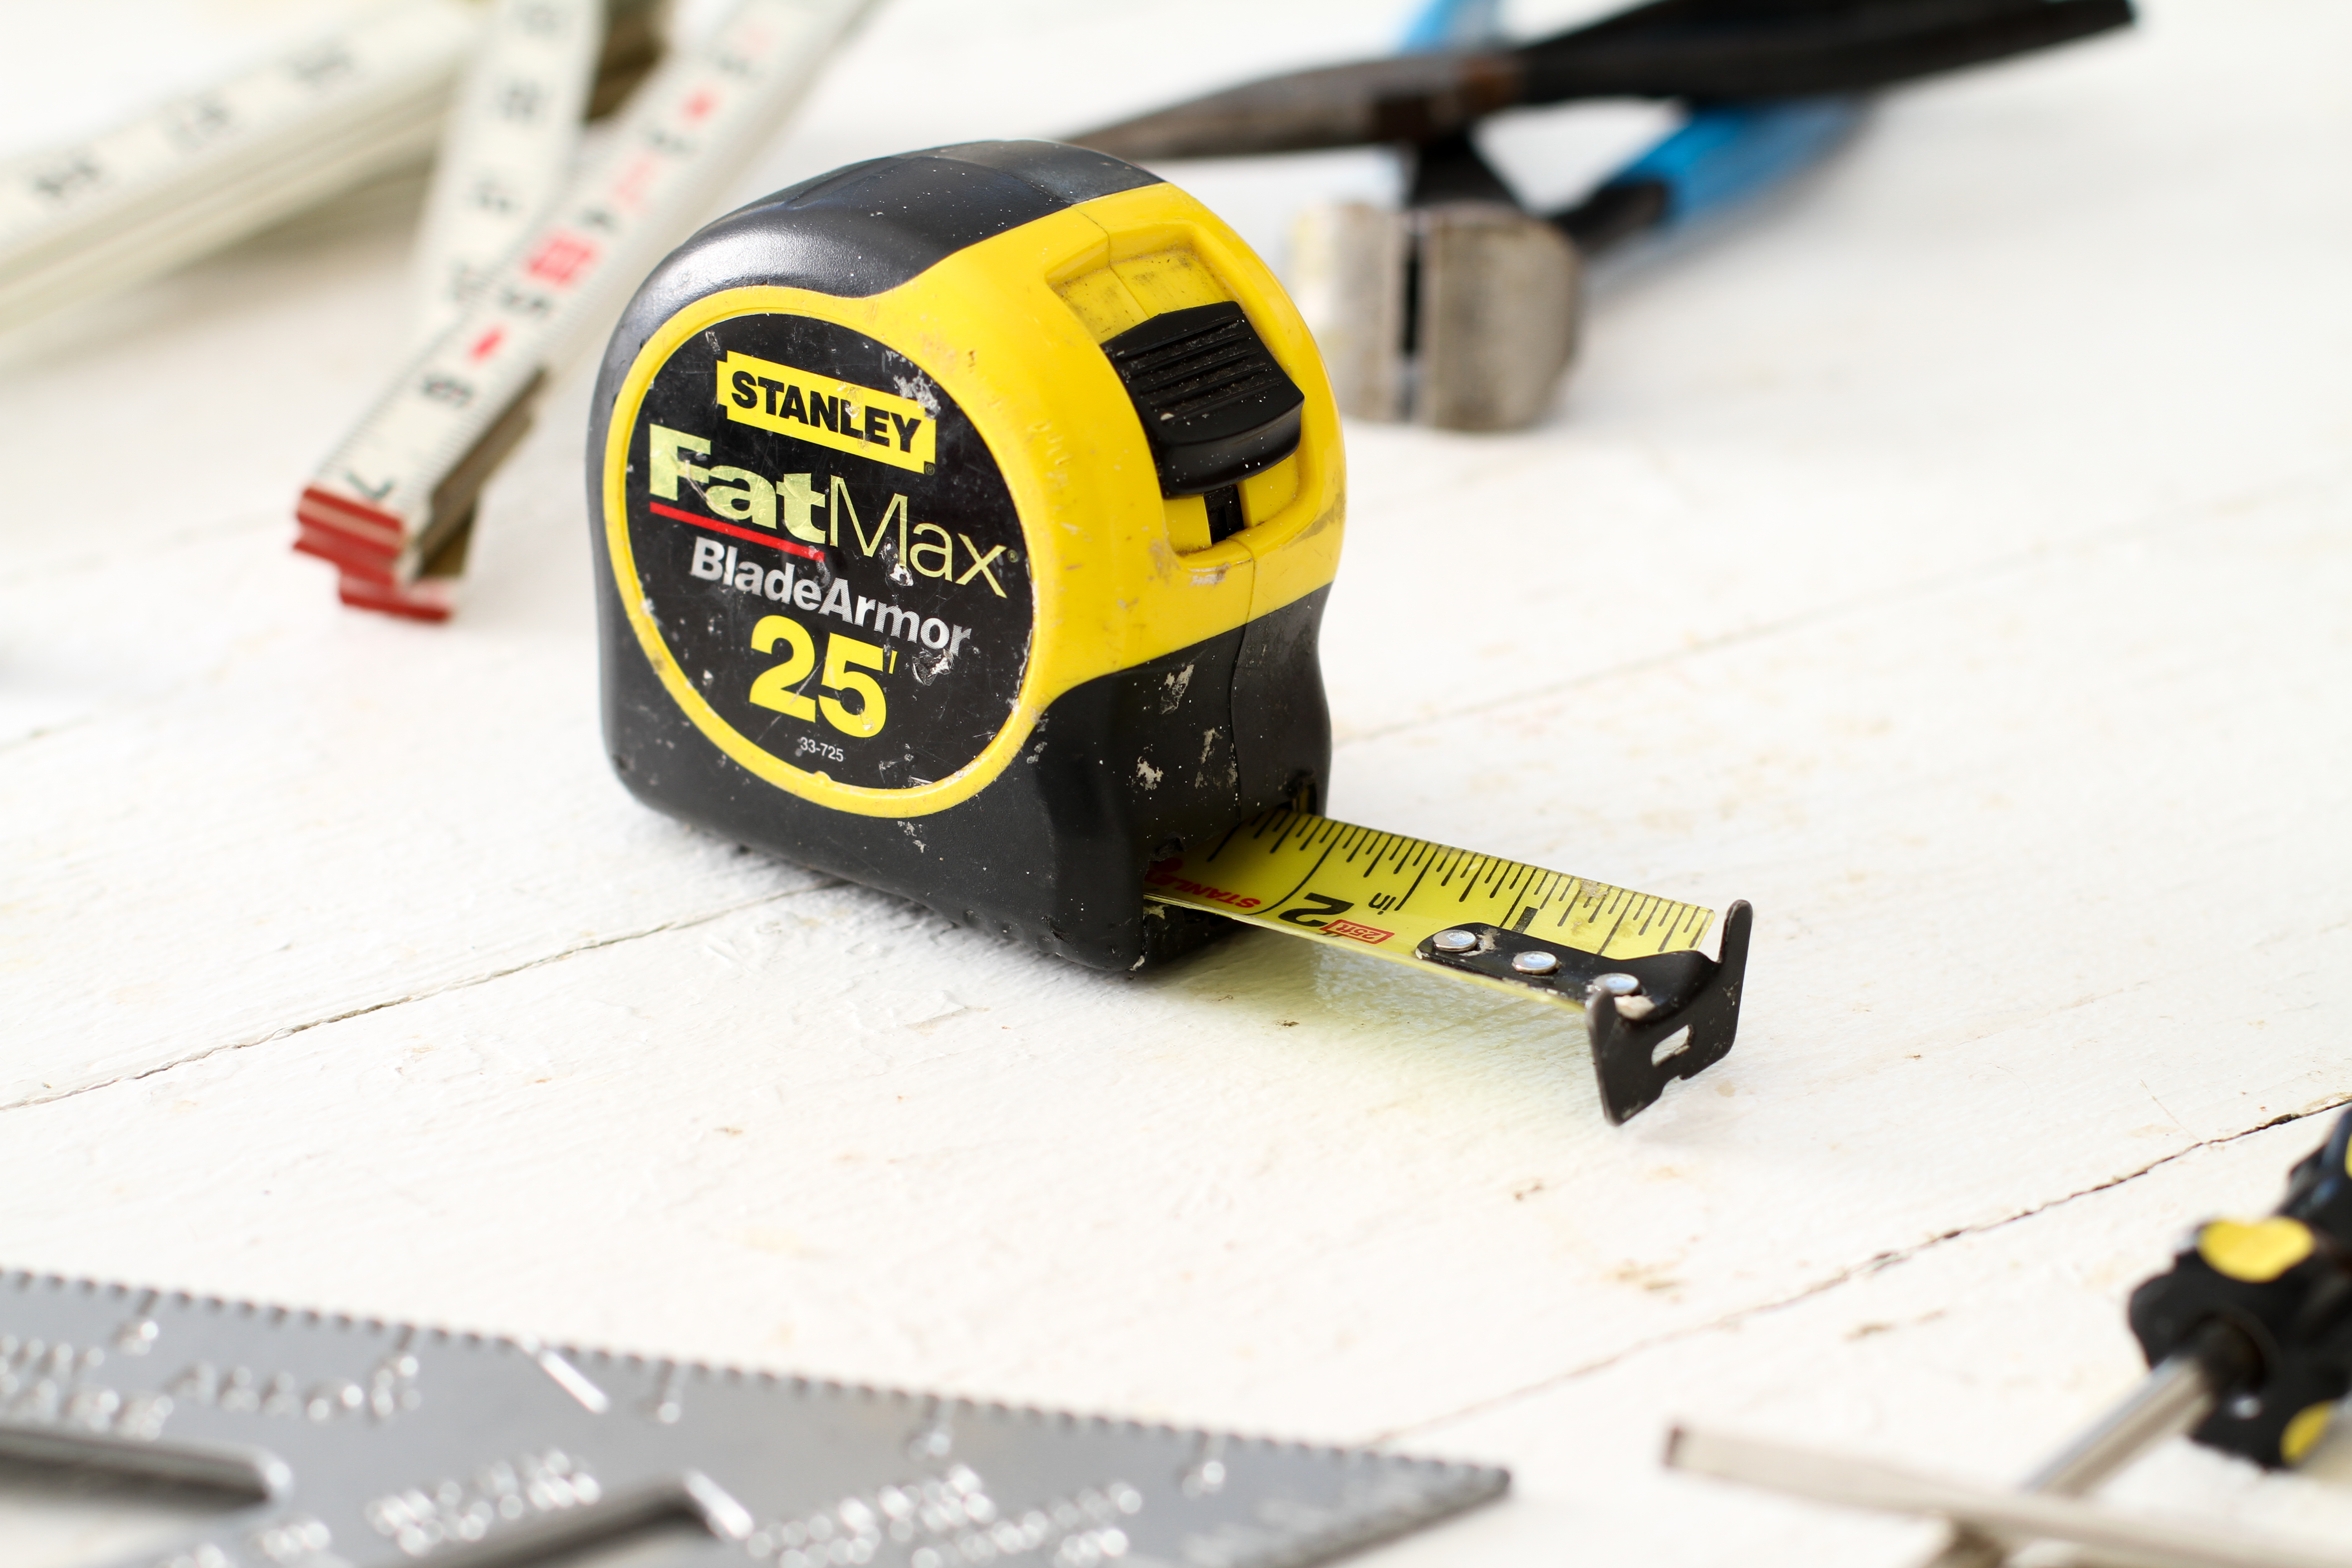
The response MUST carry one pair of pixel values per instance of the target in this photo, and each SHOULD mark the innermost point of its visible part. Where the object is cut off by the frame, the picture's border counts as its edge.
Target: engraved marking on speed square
(320, 1420)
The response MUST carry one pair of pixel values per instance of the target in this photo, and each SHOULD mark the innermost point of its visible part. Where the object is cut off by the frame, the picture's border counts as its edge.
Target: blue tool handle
(1452, 25)
(1725, 153)
(1722, 154)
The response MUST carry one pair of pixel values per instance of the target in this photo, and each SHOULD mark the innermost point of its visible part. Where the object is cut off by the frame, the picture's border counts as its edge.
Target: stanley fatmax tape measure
(966, 522)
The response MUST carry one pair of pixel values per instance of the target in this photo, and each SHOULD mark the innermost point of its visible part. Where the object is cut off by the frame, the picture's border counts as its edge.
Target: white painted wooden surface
(1950, 557)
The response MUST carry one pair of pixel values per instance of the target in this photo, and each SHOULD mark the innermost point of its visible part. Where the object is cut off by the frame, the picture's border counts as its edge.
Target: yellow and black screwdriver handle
(2265, 1308)
(964, 520)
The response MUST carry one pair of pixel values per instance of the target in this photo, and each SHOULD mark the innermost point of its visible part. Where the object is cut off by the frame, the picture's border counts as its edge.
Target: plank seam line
(1423, 1431)
(467, 984)
(1980, 572)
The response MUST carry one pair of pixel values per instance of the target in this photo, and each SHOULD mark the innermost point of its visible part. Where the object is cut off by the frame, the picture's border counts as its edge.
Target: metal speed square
(337, 1442)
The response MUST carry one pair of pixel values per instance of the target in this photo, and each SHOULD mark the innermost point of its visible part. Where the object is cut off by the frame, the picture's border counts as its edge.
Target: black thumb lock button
(1215, 405)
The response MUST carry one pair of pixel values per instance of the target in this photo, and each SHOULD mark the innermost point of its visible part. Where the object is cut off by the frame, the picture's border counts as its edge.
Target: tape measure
(1654, 1006)
(965, 523)
(400, 489)
(367, 1445)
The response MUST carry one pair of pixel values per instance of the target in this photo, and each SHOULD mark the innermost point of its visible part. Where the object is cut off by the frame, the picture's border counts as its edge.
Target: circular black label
(828, 552)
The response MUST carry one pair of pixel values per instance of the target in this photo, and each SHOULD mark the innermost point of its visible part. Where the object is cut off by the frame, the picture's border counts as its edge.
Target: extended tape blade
(393, 490)
(178, 181)
(367, 1444)
(1383, 893)
(1656, 1008)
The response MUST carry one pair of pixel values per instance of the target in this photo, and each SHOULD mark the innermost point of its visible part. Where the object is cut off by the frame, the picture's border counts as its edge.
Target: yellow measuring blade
(1386, 894)
(1655, 1008)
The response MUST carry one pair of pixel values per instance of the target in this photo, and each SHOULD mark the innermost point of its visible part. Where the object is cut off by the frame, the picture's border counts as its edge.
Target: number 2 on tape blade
(1655, 1007)
(966, 519)
(364, 1445)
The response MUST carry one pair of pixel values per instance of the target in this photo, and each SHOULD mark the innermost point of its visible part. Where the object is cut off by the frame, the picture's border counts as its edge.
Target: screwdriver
(2248, 1337)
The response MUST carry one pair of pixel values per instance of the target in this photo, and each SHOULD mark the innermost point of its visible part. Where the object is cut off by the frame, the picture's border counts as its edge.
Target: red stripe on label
(786, 545)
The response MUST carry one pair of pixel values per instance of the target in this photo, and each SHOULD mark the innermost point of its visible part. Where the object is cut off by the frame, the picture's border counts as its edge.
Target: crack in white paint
(685, 922)
(1875, 1263)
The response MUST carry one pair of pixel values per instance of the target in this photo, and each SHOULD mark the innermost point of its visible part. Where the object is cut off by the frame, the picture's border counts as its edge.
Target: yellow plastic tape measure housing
(1010, 329)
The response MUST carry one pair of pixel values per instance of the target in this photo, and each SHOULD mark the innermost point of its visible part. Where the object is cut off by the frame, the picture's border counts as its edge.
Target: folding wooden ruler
(391, 505)
(211, 166)
(510, 140)
(344, 1443)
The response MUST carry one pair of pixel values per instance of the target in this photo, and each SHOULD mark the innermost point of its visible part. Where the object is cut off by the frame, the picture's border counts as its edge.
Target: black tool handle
(1795, 48)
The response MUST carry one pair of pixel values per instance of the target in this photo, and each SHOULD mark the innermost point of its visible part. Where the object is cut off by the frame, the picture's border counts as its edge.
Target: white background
(1950, 556)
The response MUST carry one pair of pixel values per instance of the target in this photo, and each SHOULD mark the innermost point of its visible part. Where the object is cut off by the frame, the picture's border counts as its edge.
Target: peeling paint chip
(1171, 696)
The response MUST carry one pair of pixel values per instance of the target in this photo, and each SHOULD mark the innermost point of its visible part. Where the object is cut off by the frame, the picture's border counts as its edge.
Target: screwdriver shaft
(2171, 1399)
